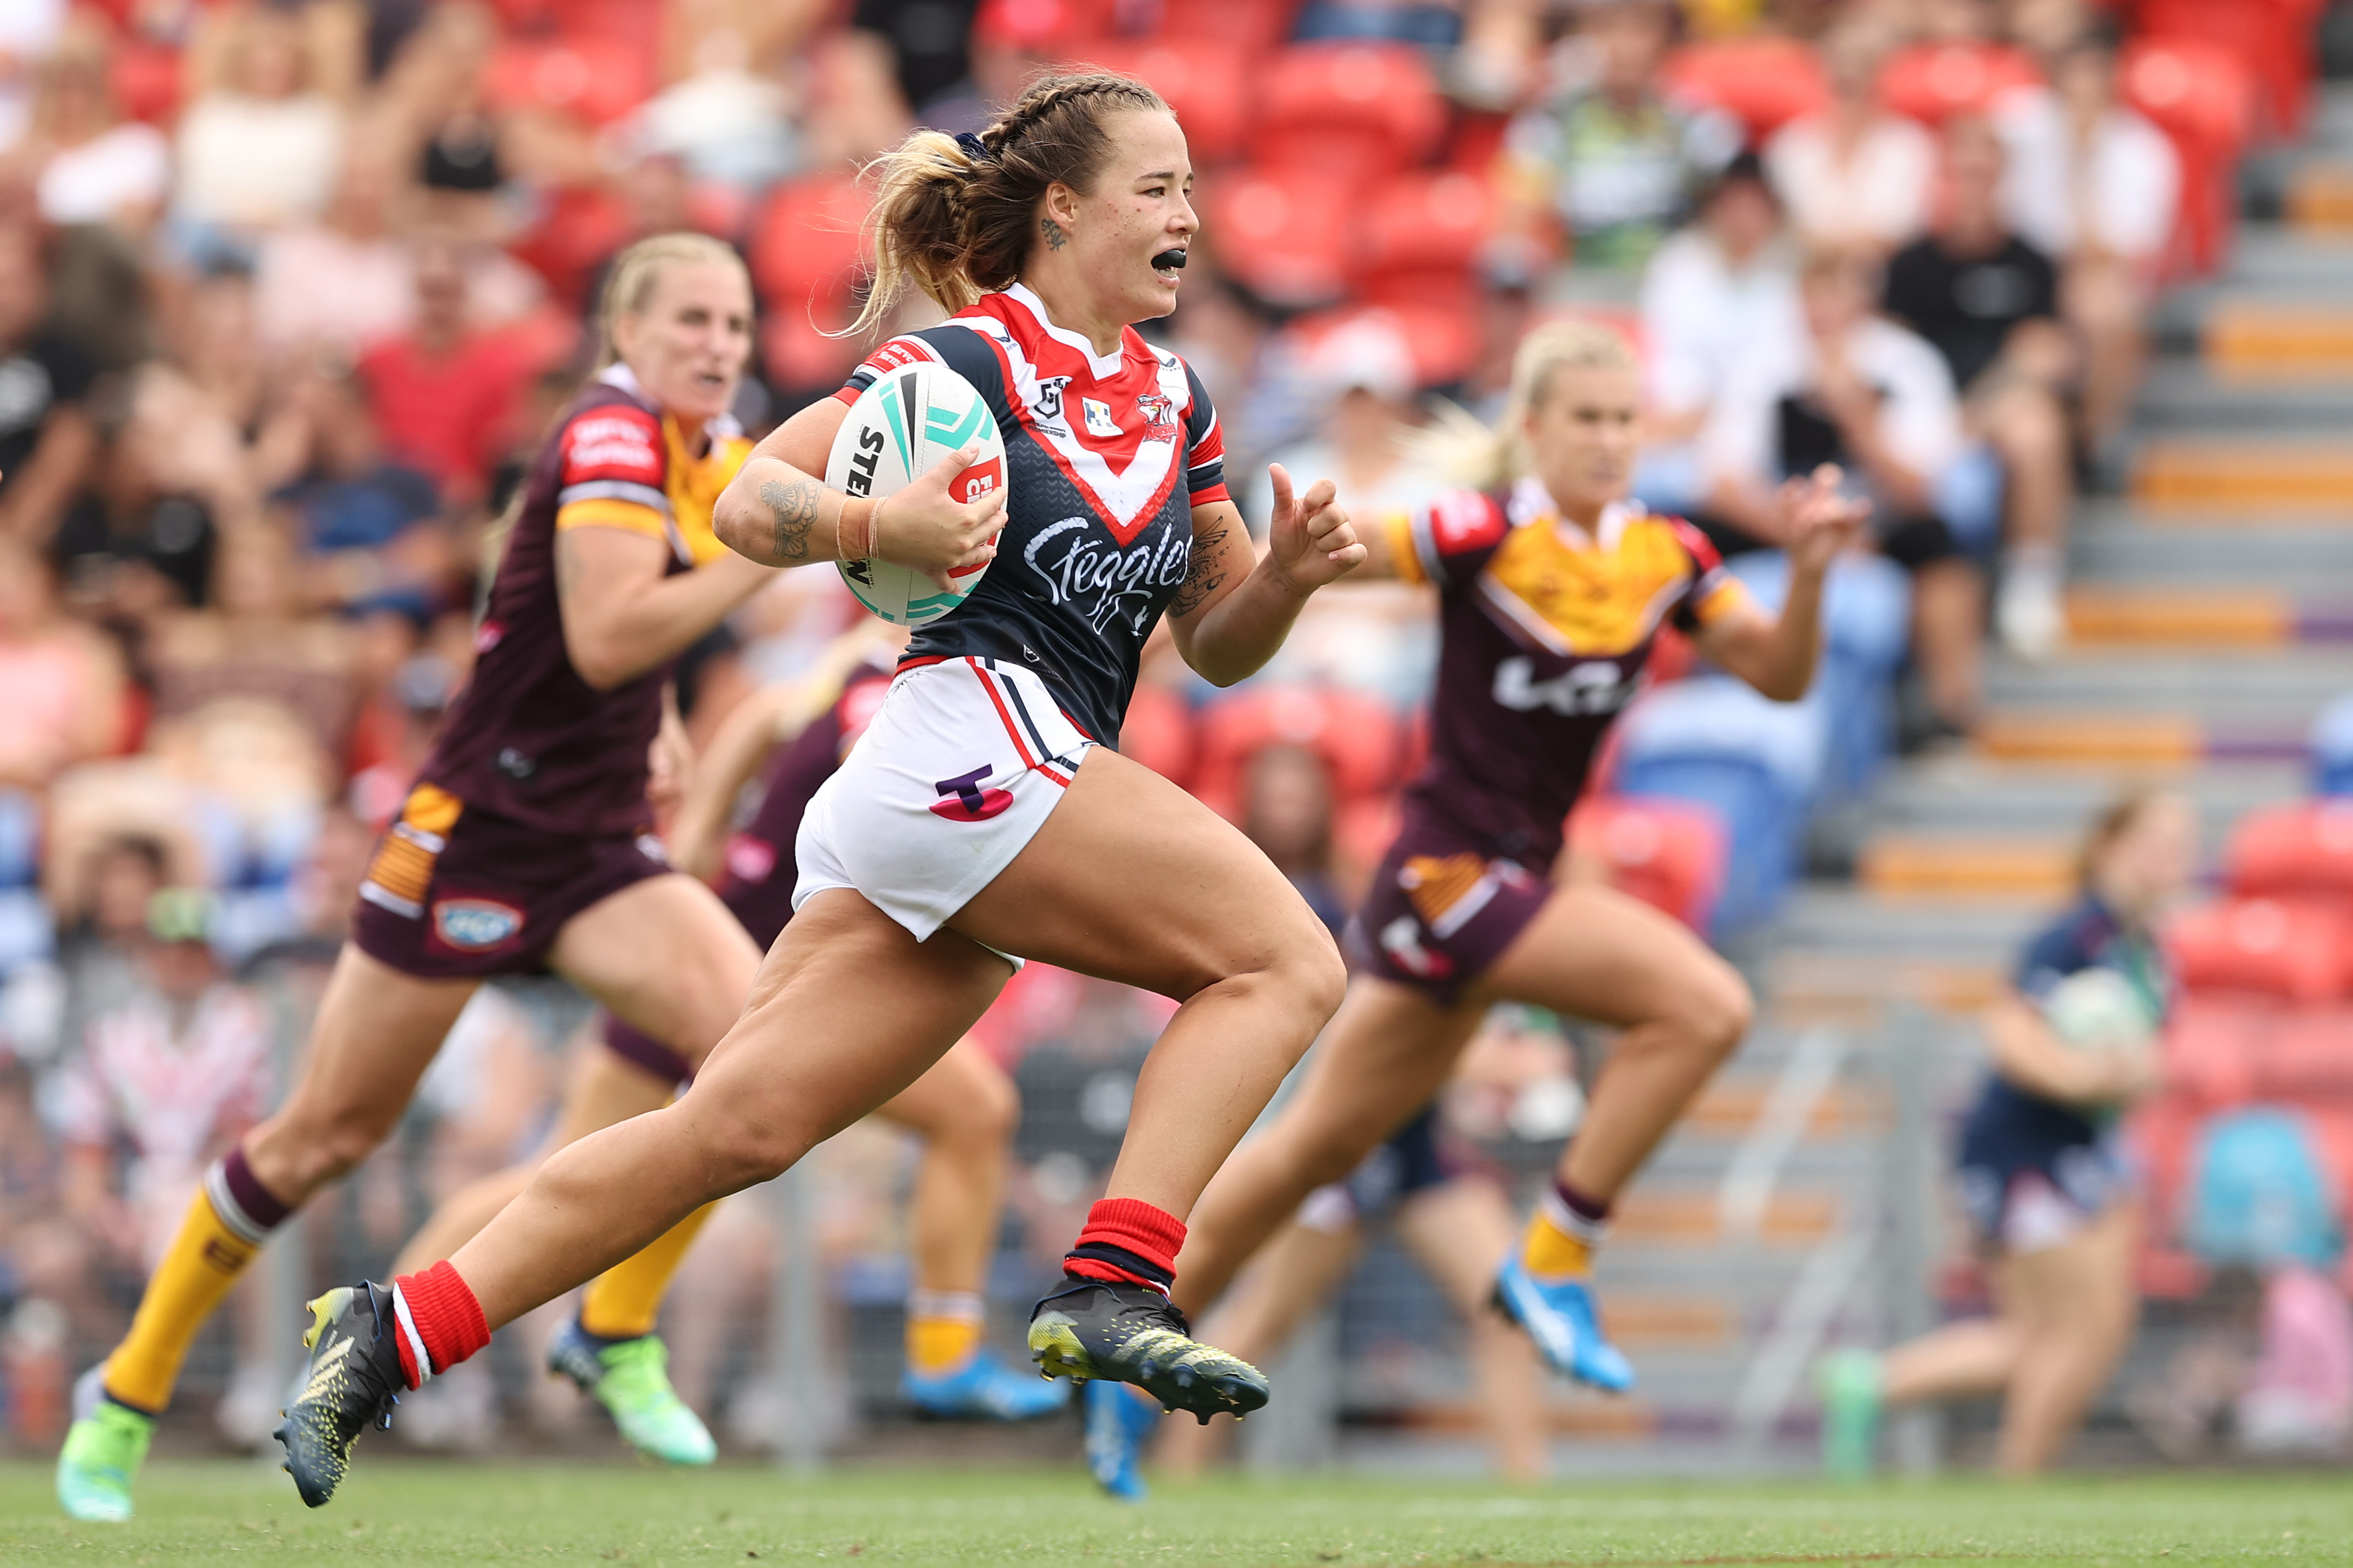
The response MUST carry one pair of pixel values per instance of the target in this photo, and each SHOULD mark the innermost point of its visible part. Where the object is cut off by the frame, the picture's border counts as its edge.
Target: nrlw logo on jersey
(1045, 404)
(1596, 686)
(1084, 569)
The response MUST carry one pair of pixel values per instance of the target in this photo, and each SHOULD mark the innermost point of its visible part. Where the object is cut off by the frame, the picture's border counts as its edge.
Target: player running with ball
(1552, 587)
(984, 813)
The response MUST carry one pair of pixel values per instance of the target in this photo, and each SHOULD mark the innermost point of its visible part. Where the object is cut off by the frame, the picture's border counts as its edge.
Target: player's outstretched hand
(1817, 521)
(925, 528)
(1309, 540)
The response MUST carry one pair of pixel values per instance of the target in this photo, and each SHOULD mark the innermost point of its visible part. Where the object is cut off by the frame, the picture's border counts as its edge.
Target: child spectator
(1857, 390)
(1990, 301)
(1854, 175)
(1609, 157)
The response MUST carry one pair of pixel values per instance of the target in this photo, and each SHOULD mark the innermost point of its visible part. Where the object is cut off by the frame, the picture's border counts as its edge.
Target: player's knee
(1716, 1011)
(306, 1150)
(1314, 977)
(991, 1110)
(743, 1145)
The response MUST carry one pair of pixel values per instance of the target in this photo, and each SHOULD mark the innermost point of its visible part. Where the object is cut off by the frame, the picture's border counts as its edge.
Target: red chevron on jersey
(1112, 422)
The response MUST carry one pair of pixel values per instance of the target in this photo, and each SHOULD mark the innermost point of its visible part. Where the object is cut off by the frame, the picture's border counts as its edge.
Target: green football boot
(103, 1450)
(1853, 1392)
(630, 1378)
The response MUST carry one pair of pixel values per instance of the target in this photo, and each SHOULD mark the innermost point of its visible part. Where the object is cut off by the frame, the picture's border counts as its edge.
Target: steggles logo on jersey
(1099, 419)
(1101, 581)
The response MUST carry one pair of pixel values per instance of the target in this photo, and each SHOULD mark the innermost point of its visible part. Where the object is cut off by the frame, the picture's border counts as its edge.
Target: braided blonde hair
(958, 225)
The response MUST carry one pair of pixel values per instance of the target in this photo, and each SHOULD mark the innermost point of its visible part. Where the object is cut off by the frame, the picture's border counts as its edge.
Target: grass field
(433, 1514)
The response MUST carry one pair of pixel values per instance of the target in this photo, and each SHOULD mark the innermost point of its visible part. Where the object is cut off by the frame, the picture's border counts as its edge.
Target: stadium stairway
(2211, 618)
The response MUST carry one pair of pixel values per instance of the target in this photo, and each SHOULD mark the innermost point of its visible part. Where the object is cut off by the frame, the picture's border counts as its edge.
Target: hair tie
(975, 147)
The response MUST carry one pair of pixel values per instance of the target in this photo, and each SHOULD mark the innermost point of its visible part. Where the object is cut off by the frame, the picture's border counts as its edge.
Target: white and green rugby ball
(2097, 1009)
(910, 419)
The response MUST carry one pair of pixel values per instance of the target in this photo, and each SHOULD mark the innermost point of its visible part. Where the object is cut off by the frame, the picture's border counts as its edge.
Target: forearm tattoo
(1204, 576)
(794, 506)
(1055, 237)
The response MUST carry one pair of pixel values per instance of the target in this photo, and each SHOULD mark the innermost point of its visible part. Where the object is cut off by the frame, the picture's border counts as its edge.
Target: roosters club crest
(1159, 416)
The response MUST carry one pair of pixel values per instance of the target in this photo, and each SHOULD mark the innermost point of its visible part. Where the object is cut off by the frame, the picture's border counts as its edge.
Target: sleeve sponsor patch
(614, 443)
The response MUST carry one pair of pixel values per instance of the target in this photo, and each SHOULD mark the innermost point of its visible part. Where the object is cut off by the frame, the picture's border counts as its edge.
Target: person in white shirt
(1854, 175)
(2095, 184)
(1714, 292)
(1856, 390)
(259, 149)
(92, 165)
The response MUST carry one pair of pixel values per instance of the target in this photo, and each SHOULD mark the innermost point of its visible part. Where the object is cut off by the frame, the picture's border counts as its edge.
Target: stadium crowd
(290, 291)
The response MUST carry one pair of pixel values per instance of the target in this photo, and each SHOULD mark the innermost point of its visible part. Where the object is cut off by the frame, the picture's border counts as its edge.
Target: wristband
(860, 539)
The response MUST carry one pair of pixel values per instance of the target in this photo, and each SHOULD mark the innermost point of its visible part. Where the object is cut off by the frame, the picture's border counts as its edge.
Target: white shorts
(960, 767)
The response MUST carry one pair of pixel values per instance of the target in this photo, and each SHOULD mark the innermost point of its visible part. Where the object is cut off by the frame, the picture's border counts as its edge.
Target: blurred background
(288, 293)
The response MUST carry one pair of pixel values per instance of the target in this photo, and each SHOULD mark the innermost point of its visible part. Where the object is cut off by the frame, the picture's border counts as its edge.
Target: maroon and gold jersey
(528, 739)
(1545, 632)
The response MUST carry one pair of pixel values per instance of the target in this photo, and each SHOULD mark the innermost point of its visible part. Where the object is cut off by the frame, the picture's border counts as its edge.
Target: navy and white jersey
(1105, 457)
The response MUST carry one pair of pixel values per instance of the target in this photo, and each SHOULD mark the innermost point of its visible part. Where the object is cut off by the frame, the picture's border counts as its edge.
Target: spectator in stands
(1287, 812)
(94, 165)
(175, 1067)
(344, 282)
(29, 30)
(1609, 158)
(61, 682)
(1857, 390)
(257, 147)
(2097, 186)
(1854, 175)
(1361, 374)
(362, 524)
(2041, 1170)
(46, 432)
(444, 395)
(852, 108)
(1712, 293)
(140, 541)
(1989, 303)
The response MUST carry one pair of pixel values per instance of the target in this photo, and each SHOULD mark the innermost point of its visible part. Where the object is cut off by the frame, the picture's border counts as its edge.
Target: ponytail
(956, 215)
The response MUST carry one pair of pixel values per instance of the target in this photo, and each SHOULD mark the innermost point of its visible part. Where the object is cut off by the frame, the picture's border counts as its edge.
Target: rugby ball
(913, 415)
(2099, 1009)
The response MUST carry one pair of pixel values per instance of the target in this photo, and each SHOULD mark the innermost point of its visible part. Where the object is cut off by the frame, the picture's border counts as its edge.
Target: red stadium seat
(1158, 732)
(1422, 235)
(2213, 1043)
(2199, 95)
(2305, 848)
(1670, 853)
(2307, 1054)
(1357, 737)
(2280, 947)
(1936, 81)
(1439, 334)
(809, 244)
(1350, 113)
(1763, 82)
(2272, 38)
(1257, 26)
(595, 78)
(1284, 236)
(146, 77)
(1047, 27)
(1205, 81)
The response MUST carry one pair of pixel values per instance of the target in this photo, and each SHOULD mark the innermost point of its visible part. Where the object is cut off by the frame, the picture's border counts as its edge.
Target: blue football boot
(1117, 1424)
(982, 1389)
(1557, 1313)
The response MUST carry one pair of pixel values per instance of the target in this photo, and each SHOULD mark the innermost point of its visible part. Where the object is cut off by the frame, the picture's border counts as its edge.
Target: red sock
(441, 1322)
(1127, 1242)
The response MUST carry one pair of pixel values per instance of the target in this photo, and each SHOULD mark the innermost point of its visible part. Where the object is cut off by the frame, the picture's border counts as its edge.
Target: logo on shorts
(968, 799)
(475, 925)
(750, 860)
(1402, 940)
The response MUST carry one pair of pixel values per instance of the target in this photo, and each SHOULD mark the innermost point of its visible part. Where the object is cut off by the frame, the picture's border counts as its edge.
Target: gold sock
(1549, 1249)
(625, 1301)
(203, 1262)
(942, 1331)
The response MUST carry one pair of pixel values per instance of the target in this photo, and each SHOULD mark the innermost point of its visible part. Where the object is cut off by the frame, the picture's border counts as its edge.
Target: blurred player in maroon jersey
(525, 844)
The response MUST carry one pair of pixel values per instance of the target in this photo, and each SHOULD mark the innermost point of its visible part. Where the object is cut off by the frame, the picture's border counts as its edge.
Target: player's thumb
(1279, 478)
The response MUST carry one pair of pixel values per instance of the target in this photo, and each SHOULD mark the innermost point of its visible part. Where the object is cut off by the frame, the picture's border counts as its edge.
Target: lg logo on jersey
(1599, 686)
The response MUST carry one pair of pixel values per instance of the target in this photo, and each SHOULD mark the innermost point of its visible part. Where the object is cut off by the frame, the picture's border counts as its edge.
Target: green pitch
(421, 1513)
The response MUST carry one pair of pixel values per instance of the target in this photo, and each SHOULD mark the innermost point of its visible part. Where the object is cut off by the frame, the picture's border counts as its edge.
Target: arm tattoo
(794, 506)
(1204, 576)
(1055, 237)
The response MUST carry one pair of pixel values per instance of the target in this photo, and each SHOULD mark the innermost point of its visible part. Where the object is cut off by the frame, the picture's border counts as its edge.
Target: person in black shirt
(1989, 303)
(47, 436)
